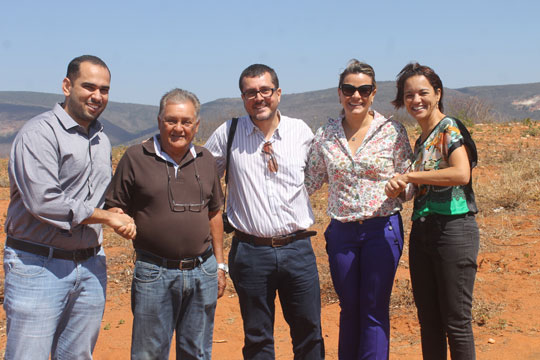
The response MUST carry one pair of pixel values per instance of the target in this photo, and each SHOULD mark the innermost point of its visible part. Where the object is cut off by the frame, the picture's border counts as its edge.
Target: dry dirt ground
(507, 291)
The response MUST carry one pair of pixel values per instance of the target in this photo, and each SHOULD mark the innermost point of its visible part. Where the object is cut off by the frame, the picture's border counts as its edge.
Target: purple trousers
(363, 259)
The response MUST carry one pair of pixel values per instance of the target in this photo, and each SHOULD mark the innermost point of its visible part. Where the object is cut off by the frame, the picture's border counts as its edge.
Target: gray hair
(180, 96)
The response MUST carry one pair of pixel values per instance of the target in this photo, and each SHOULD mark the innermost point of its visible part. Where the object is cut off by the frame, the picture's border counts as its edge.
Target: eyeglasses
(252, 94)
(176, 207)
(269, 152)
(349, 90)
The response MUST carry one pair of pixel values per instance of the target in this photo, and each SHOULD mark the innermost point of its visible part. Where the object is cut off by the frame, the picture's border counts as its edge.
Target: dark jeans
(258, 272)
(442, 256)
(363, 261)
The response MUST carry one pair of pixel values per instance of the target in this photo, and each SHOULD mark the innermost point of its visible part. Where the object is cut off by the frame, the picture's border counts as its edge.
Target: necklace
(360, 130)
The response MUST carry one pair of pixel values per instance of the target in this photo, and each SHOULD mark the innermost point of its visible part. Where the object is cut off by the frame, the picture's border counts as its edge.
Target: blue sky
(203, 46)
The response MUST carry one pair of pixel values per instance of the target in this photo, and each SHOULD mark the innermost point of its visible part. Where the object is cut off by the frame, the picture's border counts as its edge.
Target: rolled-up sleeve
(403, 158)
(316, 173)
(34, 168)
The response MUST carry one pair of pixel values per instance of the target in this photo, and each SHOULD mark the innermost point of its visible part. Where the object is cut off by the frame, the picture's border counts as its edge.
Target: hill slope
(128, 123)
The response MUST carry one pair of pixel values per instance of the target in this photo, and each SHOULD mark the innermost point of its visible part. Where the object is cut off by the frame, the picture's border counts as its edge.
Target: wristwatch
(224, 267)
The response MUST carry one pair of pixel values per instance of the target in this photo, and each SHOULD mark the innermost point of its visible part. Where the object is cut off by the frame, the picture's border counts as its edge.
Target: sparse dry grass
(4, 177)
(117, 153)
(510, 191)
(515, 184)
(484, 310)
(402, 298)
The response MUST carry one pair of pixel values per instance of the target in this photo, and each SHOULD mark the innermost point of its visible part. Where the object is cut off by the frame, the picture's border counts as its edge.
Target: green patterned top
(433, 154)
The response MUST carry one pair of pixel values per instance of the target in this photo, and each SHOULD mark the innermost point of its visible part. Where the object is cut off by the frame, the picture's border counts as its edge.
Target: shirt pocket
(292, 171)
(145, 272)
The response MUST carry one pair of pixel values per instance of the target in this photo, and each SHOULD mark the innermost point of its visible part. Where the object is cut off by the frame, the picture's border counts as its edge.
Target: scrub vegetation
(506, 297)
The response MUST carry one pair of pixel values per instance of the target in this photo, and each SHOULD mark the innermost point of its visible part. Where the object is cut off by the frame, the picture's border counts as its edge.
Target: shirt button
(390, 227)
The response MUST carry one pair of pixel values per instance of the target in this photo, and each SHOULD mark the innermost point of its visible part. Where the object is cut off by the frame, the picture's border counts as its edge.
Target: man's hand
(116, 210)
(222, 282)
(216, 230)
(121, 223)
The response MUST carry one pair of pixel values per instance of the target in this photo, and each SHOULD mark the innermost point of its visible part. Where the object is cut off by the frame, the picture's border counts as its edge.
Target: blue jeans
(53, 306)
(258, 272)
(164, 300)
(363, 260)
(442, 257)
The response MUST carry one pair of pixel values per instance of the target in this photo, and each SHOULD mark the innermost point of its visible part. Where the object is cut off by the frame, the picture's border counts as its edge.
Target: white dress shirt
(260, 202)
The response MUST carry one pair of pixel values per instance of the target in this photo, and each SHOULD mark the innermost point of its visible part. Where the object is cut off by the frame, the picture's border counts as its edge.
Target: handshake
(122, 224)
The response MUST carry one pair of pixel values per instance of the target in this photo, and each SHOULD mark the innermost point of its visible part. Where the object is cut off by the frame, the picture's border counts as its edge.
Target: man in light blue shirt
(55, 270)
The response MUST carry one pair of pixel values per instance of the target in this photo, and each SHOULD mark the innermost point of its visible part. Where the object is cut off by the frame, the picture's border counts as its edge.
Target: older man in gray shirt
(55, 271)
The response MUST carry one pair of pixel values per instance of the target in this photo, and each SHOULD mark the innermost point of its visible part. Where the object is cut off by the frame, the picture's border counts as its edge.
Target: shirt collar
(162, 154)
(68, 122)
(378, 119)
(250, 128)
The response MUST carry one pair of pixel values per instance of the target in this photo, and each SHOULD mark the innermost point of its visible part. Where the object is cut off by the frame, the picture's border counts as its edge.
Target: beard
(80, 114)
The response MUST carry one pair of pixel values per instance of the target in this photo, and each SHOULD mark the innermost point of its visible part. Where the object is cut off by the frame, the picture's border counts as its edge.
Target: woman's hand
(396, 185)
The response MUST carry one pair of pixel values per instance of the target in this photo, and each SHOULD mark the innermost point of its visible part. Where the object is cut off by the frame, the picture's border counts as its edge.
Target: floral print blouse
(357, 181)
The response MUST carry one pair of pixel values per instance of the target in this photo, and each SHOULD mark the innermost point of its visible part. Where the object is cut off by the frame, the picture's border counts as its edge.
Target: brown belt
(275, 241)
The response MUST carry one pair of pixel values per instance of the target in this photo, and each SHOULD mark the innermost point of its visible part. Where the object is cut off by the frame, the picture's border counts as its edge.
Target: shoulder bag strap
(230, 137)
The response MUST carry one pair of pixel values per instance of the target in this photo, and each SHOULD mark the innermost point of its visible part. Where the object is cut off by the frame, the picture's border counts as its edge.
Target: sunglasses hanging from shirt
(179, 207)
(269, 152)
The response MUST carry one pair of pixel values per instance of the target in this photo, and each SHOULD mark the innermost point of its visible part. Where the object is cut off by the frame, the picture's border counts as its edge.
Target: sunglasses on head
(364, 90)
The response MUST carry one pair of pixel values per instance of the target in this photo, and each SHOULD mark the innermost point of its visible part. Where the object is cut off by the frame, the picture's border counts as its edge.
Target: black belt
(182, 264)
(275, 241)
(44, 250)
(444, 217)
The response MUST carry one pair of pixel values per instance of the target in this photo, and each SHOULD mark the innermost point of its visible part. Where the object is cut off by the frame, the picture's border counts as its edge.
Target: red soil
(507, 292)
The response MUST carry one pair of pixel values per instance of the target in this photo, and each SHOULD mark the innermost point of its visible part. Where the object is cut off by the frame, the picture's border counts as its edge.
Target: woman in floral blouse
(444, 236)
(356, 154)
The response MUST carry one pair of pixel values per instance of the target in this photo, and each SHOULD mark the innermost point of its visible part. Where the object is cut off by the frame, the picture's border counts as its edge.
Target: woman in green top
(444, 237)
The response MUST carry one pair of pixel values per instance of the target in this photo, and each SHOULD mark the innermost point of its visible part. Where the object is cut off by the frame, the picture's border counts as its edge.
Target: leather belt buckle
(187, 264)
(275, 242)
(279, 241)
(79, 255)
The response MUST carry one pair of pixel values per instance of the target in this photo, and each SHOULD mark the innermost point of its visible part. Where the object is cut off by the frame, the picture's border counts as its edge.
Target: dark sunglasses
(349, 90)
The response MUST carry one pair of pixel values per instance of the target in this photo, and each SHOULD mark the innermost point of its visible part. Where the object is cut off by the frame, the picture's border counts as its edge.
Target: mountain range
(127, 123)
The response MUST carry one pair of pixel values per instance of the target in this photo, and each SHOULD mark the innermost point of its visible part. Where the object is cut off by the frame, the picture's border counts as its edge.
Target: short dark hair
(74, 65)
(357, 67)
(256, 70)
(413, 69)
